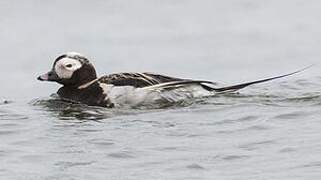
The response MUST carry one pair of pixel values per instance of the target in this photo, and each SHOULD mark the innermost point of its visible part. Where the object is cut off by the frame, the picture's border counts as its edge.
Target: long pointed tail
(243, 85)
(207, 84)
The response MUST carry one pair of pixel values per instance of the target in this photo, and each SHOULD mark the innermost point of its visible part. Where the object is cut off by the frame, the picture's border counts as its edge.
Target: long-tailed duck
(80, 84)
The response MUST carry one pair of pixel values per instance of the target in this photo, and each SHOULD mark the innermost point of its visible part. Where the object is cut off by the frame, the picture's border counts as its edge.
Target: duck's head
(70, 69)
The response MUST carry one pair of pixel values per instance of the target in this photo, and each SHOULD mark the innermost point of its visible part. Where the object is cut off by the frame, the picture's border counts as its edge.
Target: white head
(70, 69)
(66, 66)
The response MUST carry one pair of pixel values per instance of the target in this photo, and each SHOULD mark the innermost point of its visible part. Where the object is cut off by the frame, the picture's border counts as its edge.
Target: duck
(80, 84)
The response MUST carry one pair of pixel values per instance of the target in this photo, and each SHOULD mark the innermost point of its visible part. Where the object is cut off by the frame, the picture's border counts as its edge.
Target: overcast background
(227, 41)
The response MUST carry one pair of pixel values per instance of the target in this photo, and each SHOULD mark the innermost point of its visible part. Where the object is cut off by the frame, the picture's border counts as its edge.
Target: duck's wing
(137, 80)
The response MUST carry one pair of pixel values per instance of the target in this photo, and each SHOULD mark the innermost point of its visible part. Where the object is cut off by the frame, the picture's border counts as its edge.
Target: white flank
(129, 96)
(66, 67)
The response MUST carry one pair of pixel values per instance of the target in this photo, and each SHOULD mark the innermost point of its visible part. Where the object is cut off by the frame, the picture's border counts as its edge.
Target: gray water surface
(267, 131)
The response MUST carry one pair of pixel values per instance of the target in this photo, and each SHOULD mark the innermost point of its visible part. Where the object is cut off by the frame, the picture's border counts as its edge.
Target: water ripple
(292, 115)
(9, 115)
(256, 145)
(121, 155)
(235, 157)
(236, 120)
(67, 164)
(4, 102)
(101, 142)
(195, 167)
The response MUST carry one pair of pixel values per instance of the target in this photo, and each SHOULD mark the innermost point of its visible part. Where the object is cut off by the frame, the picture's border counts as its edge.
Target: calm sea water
(268, 131)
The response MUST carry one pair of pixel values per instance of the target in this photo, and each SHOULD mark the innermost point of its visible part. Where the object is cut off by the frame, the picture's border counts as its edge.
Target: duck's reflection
(65, 110)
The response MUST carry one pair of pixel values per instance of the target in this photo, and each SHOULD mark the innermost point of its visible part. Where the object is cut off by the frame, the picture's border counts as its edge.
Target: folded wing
(138, 80)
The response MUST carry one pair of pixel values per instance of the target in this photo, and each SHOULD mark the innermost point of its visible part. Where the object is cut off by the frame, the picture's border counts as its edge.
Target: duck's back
(137, 80)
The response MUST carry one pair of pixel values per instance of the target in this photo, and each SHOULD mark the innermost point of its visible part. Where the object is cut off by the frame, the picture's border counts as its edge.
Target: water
(268, 131)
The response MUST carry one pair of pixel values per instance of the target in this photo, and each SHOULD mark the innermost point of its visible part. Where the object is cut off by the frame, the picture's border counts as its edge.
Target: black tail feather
(243, 85)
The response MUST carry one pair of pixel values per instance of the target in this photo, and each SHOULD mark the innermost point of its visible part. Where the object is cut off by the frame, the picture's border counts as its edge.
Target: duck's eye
(69, 65)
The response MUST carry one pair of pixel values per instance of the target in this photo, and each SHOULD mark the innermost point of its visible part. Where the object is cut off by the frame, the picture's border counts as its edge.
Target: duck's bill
(50, 76)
